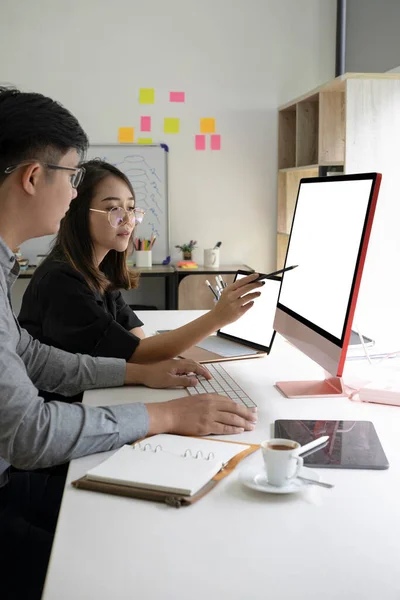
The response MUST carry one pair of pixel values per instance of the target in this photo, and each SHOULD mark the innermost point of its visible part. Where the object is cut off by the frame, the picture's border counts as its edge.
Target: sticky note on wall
(171, 125)
(145, 140)
(146, 96)
(215, 142)
(126, 135)
(145, 124)
(207, 125)
(200, 142)
(177, 96)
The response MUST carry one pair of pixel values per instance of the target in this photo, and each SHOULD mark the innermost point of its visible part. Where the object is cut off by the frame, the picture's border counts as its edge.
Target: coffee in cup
(281, 446)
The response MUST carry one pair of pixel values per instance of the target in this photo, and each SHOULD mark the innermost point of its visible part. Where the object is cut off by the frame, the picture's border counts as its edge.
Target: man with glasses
(41, 145)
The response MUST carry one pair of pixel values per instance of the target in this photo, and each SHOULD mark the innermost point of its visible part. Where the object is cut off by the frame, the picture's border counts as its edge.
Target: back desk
(237, 543)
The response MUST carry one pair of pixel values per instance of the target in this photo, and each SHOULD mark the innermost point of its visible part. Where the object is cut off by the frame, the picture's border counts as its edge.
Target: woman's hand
(236, 299)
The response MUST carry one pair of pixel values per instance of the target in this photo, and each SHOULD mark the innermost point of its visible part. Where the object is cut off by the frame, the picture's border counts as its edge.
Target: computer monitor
(328, 241)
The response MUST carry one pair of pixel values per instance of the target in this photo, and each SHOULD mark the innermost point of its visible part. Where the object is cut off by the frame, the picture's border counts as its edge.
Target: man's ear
(30, 177)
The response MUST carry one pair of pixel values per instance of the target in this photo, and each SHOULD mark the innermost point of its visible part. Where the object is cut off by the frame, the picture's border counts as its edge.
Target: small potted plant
(187, 249)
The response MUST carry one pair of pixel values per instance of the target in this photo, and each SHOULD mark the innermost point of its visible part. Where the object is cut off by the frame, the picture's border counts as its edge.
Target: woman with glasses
(73, 300)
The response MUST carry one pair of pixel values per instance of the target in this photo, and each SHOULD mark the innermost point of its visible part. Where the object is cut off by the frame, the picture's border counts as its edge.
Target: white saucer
(255, 478)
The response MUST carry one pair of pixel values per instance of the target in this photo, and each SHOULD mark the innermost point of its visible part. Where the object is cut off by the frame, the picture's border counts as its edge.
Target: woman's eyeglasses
(76, 177)
(118, 215)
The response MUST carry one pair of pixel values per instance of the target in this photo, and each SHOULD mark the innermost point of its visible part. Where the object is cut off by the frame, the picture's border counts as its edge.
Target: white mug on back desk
(211, 257)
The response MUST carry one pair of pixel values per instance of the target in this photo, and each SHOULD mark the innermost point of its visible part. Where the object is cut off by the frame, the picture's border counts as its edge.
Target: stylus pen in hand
(269, 275)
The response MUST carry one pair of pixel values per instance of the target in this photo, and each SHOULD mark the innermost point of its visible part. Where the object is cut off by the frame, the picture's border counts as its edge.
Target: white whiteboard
(146, 166)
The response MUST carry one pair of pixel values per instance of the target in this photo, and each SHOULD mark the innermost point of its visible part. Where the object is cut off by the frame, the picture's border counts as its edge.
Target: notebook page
(160, 471)
(178, 444)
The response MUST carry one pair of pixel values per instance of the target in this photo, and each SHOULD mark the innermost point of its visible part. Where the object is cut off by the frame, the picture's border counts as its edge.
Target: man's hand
(236, 299)
(166, 374)
(200, 415)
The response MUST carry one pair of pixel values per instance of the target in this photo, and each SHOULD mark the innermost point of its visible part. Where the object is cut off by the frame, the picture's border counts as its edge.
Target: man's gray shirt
(36, 434)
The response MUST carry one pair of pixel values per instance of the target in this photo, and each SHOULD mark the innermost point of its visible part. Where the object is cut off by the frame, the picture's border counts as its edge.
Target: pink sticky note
(177, 96)
(215, 142)
(145, 124)
(200, 142)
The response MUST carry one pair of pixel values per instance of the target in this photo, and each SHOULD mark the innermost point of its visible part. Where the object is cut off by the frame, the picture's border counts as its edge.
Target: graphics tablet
(250, 336)
(351, 444)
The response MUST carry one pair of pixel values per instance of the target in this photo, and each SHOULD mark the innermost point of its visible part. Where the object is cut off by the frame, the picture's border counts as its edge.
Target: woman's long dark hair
(74, 244)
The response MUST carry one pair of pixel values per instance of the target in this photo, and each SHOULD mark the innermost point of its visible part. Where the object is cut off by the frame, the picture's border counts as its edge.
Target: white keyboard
(222, 384)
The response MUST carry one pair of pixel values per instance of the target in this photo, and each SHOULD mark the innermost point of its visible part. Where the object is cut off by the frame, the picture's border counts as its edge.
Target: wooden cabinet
(342, 126)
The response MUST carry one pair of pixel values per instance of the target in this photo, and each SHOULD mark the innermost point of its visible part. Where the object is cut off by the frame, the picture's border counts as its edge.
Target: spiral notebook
(169, 468)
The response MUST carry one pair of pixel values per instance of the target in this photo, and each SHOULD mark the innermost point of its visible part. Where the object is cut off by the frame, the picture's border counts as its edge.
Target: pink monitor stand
(327, 388)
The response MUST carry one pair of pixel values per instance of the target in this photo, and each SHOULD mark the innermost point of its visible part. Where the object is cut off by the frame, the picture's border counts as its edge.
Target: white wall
(236, 61)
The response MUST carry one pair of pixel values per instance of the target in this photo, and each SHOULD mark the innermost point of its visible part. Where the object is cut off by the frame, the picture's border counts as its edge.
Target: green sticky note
(171, 125)
(146, 96)
(145, 140)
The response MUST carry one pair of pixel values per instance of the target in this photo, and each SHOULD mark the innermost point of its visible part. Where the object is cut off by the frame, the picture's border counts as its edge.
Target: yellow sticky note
(171, 125)
(207, 125)
(146, 96)
(145, 140)
(126, 135)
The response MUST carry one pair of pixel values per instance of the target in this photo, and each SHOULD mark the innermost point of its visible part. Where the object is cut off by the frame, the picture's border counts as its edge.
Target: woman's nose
(126, 217)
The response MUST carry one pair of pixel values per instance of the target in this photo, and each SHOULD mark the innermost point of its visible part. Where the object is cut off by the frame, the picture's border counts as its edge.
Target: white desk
(237, 543)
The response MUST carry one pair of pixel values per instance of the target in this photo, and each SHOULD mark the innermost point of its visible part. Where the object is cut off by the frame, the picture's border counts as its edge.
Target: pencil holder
(143, 258)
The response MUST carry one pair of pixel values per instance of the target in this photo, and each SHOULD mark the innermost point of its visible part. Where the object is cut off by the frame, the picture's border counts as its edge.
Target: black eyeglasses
(76, 178)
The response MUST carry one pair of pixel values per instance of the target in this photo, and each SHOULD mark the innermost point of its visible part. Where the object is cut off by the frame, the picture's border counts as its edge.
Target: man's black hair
(33, 126)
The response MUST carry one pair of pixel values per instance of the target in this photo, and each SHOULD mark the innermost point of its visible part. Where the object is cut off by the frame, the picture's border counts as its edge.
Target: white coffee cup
(281, 461)
(143, 258)
(211, 258)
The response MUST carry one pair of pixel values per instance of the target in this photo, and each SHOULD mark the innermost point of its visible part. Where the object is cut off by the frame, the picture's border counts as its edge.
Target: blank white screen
(257, 325)
(325, 241)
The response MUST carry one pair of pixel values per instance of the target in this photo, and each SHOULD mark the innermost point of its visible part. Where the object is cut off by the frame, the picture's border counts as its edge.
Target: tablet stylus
(314, 444)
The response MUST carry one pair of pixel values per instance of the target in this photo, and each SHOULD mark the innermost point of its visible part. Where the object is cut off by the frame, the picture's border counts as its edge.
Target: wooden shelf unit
(328, 128)
(288, 184)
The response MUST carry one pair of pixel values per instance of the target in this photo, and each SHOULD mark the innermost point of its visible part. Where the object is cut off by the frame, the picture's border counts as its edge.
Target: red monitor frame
(329, 352)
